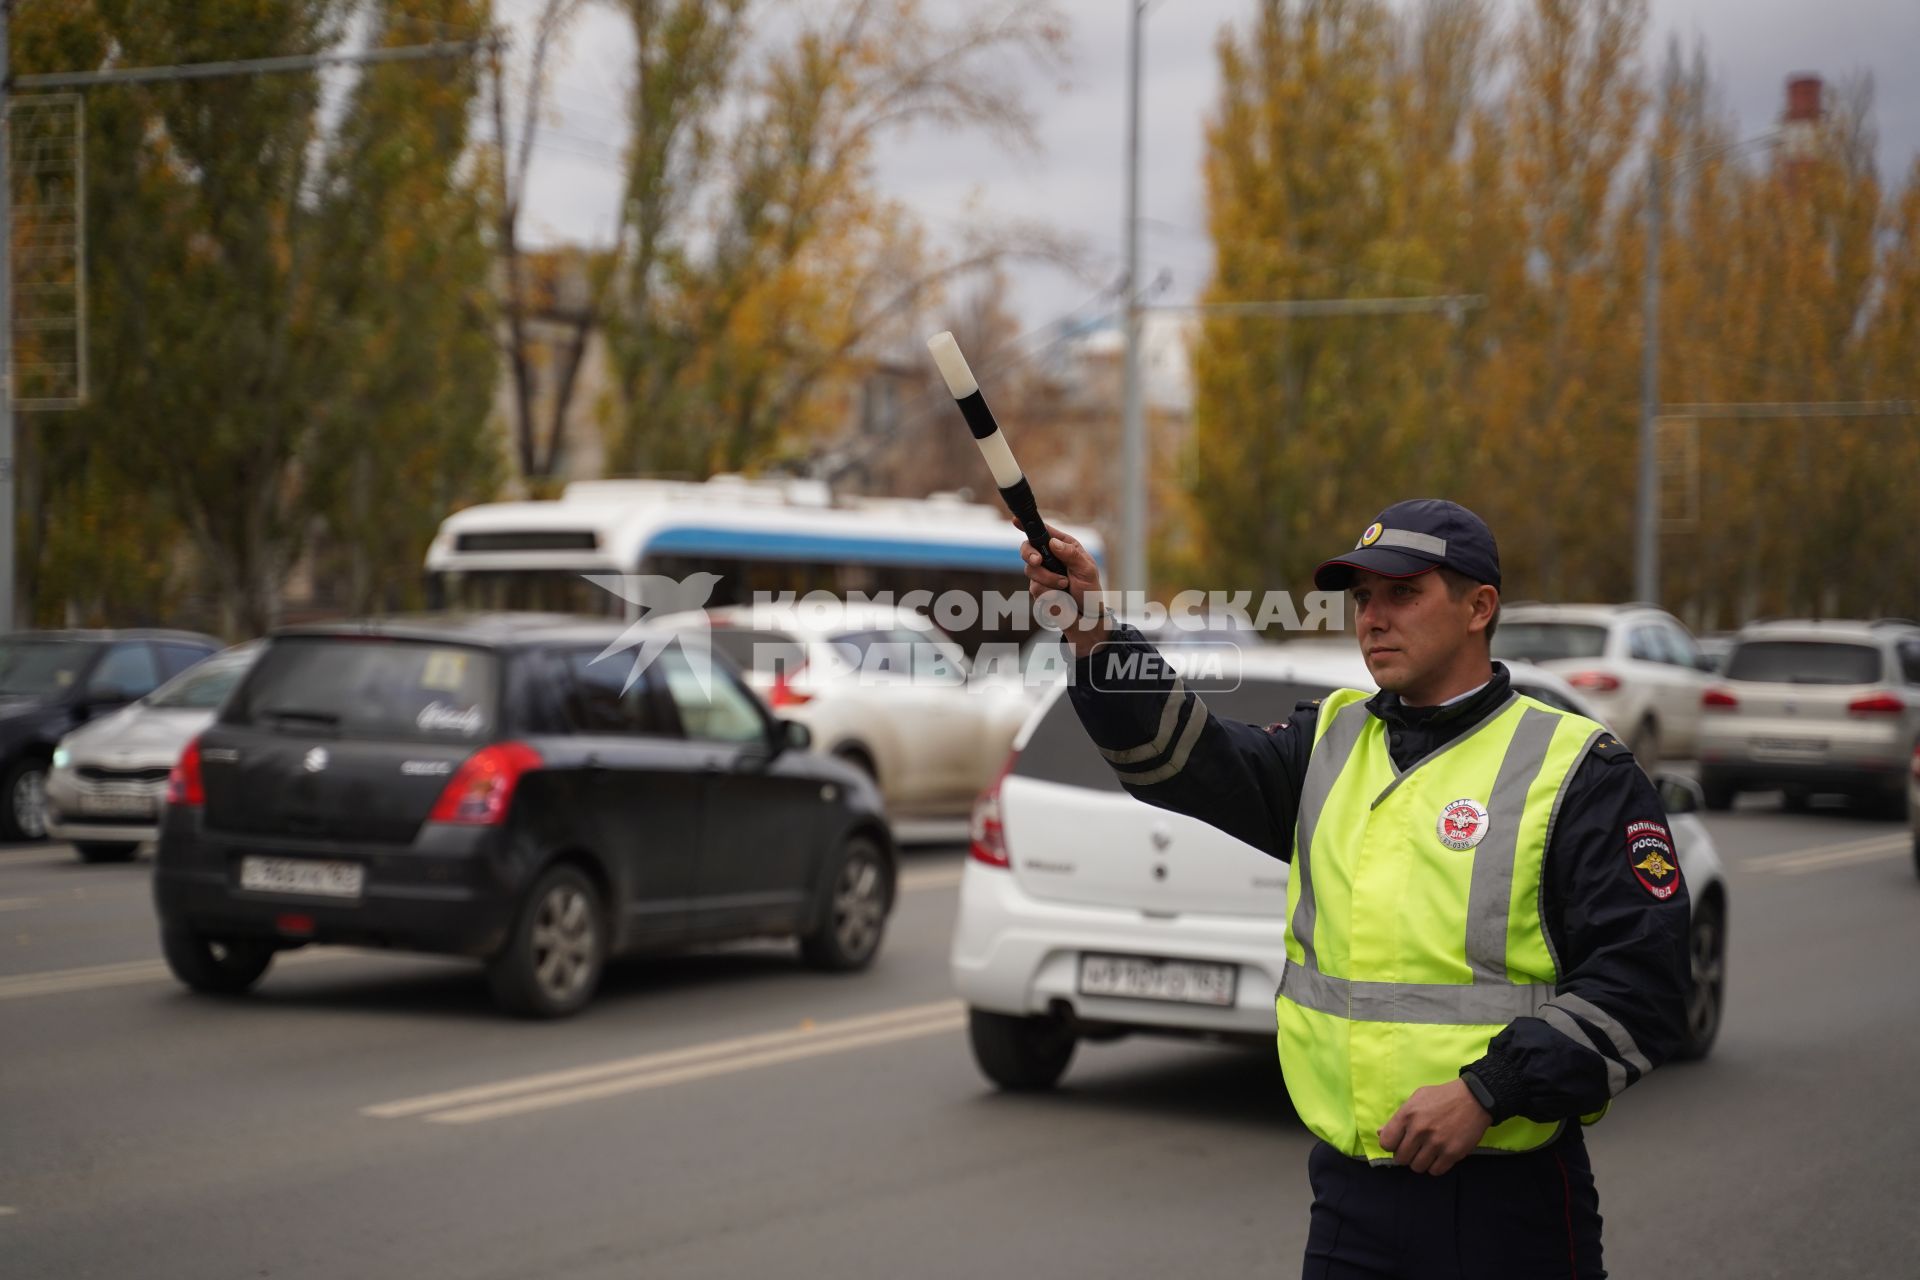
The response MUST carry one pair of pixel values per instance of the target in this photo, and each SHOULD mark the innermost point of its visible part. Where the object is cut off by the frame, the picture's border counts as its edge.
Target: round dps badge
(1372, 535)
(1463, 824)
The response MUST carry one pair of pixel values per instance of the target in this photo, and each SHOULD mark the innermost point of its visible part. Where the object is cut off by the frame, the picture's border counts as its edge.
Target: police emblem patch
(1372, 535)
(1650, 854)
(1463, 824)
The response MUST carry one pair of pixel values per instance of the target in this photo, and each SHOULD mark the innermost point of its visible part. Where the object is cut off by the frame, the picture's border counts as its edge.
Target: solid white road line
(546, 1081)
(36, 853)
(699, 1071)
(1864, 850)
(95, 977)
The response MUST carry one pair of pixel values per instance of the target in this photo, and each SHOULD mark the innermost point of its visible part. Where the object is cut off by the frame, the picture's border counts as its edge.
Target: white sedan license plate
(1790, 746)
(1145, 978)
(303, 875)
(115, 804)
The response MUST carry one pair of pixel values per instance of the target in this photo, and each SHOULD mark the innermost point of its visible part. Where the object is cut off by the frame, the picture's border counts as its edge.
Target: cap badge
(1372, 535)
(1463, 824)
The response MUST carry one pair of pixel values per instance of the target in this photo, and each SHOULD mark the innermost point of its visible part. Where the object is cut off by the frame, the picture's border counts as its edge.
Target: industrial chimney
(1800, 124)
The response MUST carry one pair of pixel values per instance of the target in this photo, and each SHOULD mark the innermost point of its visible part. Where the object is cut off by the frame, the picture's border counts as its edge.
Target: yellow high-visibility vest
(1414, 931)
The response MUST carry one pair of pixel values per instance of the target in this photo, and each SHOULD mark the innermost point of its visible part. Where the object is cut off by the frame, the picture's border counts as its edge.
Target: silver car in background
(109, 777)
(1634, 664)
(1807, 707)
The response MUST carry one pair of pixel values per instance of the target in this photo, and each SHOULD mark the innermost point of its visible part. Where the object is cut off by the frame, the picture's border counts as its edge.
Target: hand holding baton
(1014, 489)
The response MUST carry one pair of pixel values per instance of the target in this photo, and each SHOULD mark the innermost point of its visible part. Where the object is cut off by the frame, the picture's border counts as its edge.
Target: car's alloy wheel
(27, 801)
(564, 945)
(1707, 971)
(848, 935)
(551, 963)
(859, 906)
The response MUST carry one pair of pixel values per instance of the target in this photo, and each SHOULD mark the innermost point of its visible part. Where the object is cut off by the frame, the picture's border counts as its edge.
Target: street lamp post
(1133, 434)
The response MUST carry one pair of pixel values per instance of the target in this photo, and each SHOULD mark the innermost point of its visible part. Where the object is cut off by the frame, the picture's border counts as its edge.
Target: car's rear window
(371, 688)
(1060, 751)
(1804, 662)
(202, 687)
(1546, 641)
(752, 649)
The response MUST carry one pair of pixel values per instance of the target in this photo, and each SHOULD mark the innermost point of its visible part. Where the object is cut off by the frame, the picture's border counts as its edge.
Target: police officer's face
(1411, 630)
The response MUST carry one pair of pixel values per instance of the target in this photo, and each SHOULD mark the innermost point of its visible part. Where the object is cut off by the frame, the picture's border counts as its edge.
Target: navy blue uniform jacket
(1619, 929)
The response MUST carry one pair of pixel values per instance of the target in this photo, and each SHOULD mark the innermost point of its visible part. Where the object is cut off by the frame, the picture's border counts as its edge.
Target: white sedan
(882, 688)
(1086, 914)
(109, 776)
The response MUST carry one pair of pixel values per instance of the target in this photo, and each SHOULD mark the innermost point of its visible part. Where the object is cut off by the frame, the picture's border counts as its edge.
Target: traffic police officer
(1486, 932)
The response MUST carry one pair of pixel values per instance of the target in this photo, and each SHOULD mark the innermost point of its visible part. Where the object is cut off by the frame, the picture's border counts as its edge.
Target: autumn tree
(762, 261)
(1315, 192)
(257, 308)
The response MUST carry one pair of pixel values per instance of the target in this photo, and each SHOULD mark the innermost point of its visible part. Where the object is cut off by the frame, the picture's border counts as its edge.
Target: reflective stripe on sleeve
(1623, 1044)
(1560, 1020)
(1162, 736)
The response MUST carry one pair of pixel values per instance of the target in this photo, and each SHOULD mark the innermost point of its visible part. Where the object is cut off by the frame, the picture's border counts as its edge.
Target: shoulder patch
(1611, 749)
(1650, 855)
(1276, 726)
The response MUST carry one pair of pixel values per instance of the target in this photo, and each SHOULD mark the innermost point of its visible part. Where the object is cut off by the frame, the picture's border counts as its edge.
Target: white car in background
(1636, 665)
(109, 777)
(1087, 914)
(880, 687)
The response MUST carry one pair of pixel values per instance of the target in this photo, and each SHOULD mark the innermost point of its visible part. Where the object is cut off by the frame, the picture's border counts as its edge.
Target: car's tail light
(988, 839)
(481, 789)
(1594, 681)
(183, 783)
(783, 694)
(1876, 704)
(1718, 700)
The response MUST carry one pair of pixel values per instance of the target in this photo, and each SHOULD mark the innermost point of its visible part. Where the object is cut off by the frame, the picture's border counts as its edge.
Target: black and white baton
(1014, 489)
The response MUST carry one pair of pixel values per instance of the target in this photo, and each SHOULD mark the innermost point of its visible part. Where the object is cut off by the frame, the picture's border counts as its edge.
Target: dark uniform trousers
(1490, 1217)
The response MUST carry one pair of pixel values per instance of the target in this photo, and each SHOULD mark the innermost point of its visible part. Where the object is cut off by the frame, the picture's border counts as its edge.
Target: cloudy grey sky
(1075, 178)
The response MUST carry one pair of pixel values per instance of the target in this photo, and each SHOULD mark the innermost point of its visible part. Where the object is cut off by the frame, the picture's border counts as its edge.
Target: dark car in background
(52, 682)
(515, 788)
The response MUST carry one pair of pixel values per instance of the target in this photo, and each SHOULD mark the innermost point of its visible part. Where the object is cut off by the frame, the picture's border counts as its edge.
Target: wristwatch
(1481, 1094)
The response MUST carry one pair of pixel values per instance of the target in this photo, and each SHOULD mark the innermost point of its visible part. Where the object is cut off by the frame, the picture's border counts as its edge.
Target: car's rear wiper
(296, 713)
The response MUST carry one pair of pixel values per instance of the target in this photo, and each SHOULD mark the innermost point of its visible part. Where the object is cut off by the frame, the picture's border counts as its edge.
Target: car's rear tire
(1645, 745)
(214, 966)
(105, 850)
(1022, 1055)
(1891, 805)
(1707, 973)
(1716, 793)
(854, 917)
(553, 960)
(23, 801)
(1916, 853)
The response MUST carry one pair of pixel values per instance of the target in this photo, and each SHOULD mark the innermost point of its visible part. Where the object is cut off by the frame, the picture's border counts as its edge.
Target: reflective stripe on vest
(1406, 956)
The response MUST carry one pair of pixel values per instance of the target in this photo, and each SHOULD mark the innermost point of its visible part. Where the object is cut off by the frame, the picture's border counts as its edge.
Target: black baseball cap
(1415, 537)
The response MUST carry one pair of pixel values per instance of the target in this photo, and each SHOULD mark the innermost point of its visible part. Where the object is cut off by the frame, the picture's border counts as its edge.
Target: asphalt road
(732, 1114)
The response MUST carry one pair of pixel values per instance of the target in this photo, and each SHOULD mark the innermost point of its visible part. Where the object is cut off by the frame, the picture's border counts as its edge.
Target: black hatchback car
(52, 682)
(517, 788)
